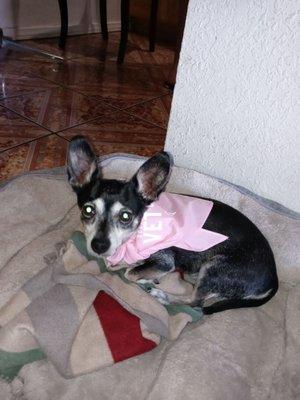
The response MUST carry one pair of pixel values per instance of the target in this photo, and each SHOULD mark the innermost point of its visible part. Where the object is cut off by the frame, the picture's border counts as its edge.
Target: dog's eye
(125, 217)
(88, 211)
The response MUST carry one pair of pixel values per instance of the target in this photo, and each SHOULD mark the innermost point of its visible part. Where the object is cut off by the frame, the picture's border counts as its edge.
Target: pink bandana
(172, 220)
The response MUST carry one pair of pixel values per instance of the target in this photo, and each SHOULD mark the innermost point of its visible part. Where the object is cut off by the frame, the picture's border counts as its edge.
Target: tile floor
(43, 103)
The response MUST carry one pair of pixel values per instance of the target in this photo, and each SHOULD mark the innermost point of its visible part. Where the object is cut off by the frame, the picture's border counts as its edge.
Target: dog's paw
(131, 275)
(159, 295)
(144, 281)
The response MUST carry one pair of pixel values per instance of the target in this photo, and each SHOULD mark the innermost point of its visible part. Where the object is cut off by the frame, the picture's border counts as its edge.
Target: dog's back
(239, 272)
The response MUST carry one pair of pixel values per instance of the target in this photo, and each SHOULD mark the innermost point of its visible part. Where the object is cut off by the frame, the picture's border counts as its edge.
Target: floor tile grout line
(20, 94)
(107, 115)
(124, 108)
(116, 109)
(61, 85)
(57, 134)
(62, 137)
(68, 140)
(116, 142)
(58, 85)
(153, 98)
(29, 156)
(149, 122)
(90, 97)
(167, 91)
(144, 101)
(93, 97)
(87, 121)
(25, 118)
(45, 90)
(137, 104)
(52, 131)
(127, 111)
(120, 142)
(66, 87)
(145, 120)
(26, 142)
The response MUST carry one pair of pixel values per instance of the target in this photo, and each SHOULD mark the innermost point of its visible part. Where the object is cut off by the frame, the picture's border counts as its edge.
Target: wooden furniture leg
(125, 7)
(63, 8)
(103, 18)
(153, 24)
(1, 37)
(183, 5)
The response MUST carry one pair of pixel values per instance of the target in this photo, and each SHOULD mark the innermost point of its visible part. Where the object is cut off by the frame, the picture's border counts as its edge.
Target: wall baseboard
(54, 31)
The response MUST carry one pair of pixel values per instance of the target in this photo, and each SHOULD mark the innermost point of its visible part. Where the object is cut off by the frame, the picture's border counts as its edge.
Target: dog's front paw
(159, 295)
(132, 275)
(139, 275)
(143, 281)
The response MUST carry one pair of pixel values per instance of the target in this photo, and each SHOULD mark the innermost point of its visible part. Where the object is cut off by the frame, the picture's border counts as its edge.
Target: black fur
(242, 266)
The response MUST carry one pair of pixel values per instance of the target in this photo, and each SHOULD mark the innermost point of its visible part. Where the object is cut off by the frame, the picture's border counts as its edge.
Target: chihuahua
(239, 272)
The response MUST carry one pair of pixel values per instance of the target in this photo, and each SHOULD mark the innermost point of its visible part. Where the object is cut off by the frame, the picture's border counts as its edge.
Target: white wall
(23, 19)
(234, 113)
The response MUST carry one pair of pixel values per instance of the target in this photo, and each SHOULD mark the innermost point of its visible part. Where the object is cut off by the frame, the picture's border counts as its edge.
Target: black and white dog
(239, 272)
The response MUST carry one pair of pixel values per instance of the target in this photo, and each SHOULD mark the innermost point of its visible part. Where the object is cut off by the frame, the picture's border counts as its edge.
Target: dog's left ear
(152, 177)
(82, 163)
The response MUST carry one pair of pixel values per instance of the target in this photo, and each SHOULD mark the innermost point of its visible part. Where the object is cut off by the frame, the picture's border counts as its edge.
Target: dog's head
(111, 210)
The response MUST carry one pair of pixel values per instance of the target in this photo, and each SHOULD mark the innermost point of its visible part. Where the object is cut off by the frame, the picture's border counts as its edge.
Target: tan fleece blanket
(237, 354)
(81, 316)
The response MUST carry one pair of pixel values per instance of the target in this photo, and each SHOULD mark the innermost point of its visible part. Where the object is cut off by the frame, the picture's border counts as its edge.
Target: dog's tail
(224, 305)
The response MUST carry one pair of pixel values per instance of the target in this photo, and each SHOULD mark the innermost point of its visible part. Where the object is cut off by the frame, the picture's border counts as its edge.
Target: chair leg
(153, 25)
(63, 8)
(103, 18)
(125, 7)
(182, 11)
(1, 37)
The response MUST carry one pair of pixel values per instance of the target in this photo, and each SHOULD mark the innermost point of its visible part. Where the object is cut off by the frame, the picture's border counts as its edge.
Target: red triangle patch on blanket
(122, 329)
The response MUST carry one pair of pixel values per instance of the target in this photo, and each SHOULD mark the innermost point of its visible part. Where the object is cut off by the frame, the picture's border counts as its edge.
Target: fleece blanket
(82, 317)
(246, 353)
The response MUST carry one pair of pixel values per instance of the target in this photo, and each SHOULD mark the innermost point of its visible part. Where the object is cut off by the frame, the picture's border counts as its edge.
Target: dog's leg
(158, 265)
(170, 298)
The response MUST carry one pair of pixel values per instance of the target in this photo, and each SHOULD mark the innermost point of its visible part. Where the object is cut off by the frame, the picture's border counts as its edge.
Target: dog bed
(248, 353)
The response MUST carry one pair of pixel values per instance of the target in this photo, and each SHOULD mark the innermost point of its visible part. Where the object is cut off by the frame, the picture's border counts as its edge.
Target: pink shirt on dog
(172, 220)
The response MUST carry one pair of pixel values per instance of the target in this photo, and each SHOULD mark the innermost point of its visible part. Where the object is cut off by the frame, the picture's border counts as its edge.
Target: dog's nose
(100, 246)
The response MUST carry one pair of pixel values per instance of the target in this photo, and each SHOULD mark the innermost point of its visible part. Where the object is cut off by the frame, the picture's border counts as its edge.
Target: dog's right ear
(82, 163)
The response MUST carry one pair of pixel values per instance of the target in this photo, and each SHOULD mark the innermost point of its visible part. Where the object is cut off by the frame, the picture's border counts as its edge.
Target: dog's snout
(100, 246)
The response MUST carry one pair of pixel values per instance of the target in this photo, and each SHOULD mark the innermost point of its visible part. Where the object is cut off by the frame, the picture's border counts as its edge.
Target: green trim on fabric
(11, 363)
(195, 313)
(79, 241)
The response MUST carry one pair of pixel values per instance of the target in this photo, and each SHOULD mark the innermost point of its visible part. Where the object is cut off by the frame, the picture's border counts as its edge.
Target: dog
(239, 272)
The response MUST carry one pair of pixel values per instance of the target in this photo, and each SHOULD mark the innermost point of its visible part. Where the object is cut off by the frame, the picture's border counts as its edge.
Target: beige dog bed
(238, 354)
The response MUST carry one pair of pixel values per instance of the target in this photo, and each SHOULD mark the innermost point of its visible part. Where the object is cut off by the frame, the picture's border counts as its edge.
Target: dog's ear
(152, 177)
(82, 163)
